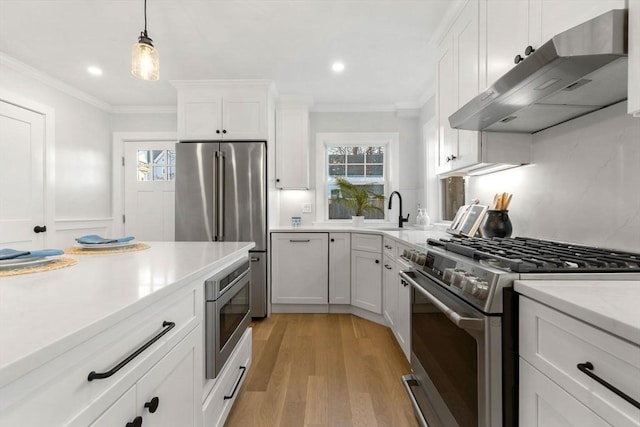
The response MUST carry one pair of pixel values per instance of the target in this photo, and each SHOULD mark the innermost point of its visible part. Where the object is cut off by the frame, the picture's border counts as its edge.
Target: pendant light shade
(145, 63)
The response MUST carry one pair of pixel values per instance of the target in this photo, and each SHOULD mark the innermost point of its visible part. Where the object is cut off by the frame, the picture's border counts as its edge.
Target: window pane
(375, 158)
(171, 157)
(143, 165)
(336, 170)
(171, 173)
(355, 158)
(355, 170)
(159, 173)
(374, 170)
(336, 158)
(159, 157)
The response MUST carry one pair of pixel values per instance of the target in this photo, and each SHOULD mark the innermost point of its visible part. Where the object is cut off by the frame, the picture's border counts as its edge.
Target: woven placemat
(51, 265)
(75, 250)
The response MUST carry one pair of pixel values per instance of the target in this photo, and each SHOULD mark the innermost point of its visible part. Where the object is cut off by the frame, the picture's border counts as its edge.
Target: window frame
(388, 140)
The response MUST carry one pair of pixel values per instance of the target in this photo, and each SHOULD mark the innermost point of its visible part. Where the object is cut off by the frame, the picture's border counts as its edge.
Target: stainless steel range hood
(576, 72)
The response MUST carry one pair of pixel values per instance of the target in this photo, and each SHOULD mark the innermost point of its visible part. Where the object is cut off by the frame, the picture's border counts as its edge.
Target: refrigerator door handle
(220, 196)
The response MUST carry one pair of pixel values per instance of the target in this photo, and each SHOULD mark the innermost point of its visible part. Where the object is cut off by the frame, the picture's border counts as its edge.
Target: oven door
(226, 320)
(455, 359)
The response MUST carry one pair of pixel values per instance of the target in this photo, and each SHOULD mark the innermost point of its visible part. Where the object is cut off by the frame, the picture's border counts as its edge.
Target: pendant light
(145, 63)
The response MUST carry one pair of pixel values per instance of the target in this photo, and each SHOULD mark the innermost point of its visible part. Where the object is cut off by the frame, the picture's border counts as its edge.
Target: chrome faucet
(401, 219)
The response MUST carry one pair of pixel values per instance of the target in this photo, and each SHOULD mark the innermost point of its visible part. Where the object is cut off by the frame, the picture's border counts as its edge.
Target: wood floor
(323, 370)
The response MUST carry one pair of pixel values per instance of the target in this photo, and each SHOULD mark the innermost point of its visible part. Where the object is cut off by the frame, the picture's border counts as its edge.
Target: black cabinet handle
(299, 240)
(40, 229)
(587, 367)
(152, 404)
(277, 179)
(518, 59)
(93, 375)
(333, 240)
(377, 261)
(137, 422)
(224, 131)
(387, 266)
(217, 130)
(529, 50)
(243, 369)
(404, 283)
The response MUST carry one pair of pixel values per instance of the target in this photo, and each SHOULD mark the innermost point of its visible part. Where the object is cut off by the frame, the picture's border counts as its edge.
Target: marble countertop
(44, 314)
(409, 234)
(609, 305)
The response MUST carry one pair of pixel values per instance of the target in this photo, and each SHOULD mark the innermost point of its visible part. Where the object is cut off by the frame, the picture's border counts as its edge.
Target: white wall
(583, 185)
(410, 182)
(157, 122)
(82, 147)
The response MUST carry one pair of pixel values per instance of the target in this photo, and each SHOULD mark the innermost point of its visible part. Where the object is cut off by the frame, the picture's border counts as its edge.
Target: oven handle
(460, 321)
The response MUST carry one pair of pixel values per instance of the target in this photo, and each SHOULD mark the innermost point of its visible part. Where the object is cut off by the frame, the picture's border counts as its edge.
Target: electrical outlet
(306, 208)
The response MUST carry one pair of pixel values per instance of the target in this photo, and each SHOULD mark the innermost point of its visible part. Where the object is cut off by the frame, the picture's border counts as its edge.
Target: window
(156, 165)
(362, 165)
(367, 160)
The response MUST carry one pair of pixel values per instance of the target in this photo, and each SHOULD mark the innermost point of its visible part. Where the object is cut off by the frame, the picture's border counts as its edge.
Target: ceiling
(384, 45)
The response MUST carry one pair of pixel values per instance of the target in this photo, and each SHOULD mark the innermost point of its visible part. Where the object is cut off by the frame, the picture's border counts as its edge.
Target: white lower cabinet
(366, 280)
(554, 391)
(390, 291)
(164, 396)
(402, 328)
(299, 268)
(339, 268)
(218, 403)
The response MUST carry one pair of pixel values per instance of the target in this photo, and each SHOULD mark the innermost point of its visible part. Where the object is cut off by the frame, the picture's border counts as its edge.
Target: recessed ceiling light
(94, 71)
(337, 67)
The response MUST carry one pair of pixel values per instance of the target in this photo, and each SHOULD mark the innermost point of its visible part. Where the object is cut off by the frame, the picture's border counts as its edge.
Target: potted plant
(358, 198)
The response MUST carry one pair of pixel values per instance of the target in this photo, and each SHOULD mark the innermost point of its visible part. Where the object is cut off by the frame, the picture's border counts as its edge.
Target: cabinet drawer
(366, 242)
(30, 401)
(389, 247)
(219, 402)
(555, 344)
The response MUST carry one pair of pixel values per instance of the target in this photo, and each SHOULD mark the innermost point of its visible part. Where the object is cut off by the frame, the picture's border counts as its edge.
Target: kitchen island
(57, 326)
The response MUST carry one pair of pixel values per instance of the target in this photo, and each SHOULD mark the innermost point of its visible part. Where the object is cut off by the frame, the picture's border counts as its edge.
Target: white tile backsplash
(583, 185)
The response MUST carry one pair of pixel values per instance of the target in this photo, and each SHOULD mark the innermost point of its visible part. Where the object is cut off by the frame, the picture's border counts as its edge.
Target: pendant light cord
(145, 18)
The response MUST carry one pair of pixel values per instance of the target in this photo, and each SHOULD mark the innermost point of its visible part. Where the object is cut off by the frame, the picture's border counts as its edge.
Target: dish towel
(11, 253)
(94, 239)
(14, 254)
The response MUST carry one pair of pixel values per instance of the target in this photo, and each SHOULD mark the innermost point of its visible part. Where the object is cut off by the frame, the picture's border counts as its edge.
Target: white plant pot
(358, 221)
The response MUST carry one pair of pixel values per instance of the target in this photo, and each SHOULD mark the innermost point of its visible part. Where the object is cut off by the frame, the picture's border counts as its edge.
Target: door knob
(518, 59)
(152, 404)
(529, 50)
(39, 229)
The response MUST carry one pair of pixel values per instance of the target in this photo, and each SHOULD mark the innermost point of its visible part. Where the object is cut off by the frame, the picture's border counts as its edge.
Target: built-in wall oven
(227, 313)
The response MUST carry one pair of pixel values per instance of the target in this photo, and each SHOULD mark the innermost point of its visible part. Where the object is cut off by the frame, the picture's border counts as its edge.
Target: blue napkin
(94, 239)
(11, 253)
(42, 253)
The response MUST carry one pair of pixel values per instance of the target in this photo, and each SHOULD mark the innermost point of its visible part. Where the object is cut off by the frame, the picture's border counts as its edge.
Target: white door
(149, 190)
(21, 177)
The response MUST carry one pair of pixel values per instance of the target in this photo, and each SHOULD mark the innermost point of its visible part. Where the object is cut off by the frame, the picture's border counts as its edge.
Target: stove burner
(523, 255)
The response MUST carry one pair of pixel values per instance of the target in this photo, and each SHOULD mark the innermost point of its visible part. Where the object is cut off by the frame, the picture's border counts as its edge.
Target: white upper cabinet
(446, 105)
(634, 57)
(210, 110)
(292, 145)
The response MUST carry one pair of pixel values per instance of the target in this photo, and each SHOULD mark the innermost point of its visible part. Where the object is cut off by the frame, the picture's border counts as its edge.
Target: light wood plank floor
(323, 370)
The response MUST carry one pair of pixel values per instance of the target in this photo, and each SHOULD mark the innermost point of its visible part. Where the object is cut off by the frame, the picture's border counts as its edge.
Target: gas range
(478, 269)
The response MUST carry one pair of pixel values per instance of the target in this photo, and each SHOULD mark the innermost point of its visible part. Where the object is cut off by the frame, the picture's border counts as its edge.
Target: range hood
(576, 72)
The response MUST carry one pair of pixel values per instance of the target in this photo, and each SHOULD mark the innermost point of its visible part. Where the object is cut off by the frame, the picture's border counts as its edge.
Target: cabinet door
(467, 77)
(366, 281)
(507, 28)
(244, 114)
(403, 316)
(166, 395)
(339, 268)
(120, 413)
(560, 15)
(634, 58)
(390, 291)
(544, 404)
(446, 104)
(300, 268)
(199, 119)
(292, 147)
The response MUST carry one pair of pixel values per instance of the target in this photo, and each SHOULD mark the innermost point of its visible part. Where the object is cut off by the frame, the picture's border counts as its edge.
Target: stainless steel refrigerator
(221, 195)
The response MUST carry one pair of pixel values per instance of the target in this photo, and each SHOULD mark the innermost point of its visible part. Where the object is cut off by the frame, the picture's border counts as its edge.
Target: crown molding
(50, 81)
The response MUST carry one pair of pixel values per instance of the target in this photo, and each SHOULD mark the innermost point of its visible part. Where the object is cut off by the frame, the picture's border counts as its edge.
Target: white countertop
(609, 305)
(45, 314)
(409, 235)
